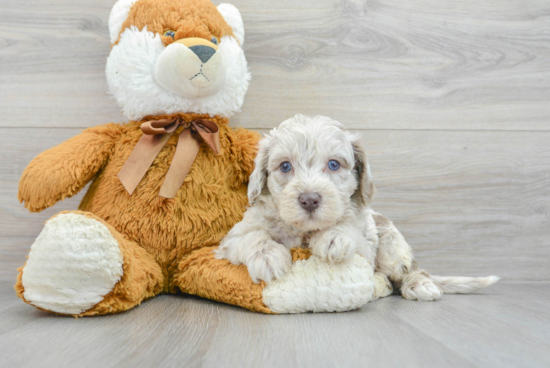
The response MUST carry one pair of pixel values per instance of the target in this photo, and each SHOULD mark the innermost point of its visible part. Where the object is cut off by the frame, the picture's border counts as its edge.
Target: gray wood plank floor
(507, 325)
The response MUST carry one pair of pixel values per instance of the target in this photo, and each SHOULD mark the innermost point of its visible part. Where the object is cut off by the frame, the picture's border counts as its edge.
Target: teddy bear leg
(311, 285)
(80, 265)
(199, 273)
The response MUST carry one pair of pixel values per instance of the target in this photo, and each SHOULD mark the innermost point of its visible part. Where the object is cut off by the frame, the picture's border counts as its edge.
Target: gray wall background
(452, 99)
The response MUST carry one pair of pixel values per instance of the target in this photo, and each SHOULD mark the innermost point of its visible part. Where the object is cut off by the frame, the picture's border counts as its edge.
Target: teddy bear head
(176, 56)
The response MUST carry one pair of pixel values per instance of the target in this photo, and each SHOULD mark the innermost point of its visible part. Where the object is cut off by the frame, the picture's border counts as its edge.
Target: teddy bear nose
(203, 52)
(310, 201)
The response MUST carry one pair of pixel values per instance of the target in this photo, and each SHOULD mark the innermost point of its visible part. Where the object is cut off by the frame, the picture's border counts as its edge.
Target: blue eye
(333, 165)
(214, 40)
(285, 167)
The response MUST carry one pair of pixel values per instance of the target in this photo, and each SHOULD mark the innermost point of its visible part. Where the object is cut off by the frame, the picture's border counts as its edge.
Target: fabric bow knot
(155, 135)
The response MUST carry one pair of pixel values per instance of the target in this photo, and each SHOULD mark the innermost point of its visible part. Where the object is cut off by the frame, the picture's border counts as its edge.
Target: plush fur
(119, 249)
(340, 228)
(211, 200)
(233, 17)
(118, 15)
(141, 70)
(347, 286)
(83, 243)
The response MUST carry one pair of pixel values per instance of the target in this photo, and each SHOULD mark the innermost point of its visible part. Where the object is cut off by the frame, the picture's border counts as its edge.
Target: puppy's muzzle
(310, 201)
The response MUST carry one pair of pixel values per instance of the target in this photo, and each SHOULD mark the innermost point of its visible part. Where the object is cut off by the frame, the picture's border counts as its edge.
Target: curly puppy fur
(340, 225)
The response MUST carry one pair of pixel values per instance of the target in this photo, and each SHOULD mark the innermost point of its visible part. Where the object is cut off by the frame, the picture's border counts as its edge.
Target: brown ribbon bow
(155, 135)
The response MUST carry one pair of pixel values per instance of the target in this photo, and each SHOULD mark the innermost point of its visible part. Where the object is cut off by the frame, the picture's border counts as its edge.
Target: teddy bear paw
(72, 265)
(315, 285)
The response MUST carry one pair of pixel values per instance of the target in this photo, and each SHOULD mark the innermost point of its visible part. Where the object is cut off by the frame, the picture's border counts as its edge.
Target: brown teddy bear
(146, 226)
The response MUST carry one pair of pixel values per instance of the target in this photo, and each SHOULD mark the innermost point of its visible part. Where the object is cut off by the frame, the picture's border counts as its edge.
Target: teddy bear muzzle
(191, 67)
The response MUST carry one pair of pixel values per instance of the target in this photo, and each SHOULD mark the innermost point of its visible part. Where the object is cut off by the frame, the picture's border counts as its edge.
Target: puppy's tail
(420, 285)
(463, 285)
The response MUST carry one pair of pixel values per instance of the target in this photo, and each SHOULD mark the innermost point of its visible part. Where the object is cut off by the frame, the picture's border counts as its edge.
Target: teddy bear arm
(65, 169)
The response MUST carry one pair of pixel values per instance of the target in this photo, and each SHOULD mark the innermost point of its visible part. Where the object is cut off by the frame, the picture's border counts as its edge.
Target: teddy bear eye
(214, 40)
(170, 33)
(333, 165)
(285, 167)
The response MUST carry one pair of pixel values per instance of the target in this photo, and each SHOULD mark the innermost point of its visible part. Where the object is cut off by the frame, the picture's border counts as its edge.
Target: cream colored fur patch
(72, 265)
(119, 13)
(314, 285)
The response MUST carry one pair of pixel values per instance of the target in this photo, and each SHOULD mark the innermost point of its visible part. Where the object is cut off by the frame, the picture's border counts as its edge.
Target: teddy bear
(167, 185)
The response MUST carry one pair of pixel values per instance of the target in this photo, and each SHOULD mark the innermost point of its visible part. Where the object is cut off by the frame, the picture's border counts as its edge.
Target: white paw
(382, 286)
(333, 246)
(424, 290)
(72, 265)
(271, 262)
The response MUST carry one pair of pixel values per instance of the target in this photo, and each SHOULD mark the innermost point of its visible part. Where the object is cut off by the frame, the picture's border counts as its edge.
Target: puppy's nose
(203, 52)
(310, 201)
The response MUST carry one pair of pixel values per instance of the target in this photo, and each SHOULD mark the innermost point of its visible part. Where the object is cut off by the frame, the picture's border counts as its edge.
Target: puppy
(312, 187)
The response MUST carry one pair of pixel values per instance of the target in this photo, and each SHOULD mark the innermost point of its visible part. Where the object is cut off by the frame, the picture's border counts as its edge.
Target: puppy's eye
(285, 167)
(170, 33)
(214, 40)
(333, 165)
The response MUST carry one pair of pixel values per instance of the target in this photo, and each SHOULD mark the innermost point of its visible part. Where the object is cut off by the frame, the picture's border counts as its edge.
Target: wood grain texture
(469, 203)
(52, 63)
(494, 328)
(388, 64)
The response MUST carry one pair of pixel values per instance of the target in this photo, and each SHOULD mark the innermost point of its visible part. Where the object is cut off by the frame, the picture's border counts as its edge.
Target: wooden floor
(507, 325)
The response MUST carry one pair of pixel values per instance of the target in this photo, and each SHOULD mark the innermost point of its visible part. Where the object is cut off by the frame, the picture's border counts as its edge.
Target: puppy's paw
(420, 287)
(382, 286)
(334, 246)
(270, 262)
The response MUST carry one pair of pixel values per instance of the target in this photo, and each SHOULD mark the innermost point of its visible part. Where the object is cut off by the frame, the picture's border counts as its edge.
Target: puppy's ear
(258, 178)
(365, 188)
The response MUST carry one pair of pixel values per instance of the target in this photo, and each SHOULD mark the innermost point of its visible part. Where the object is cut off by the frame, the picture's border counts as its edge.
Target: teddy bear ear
(233, 17)
(119, 13)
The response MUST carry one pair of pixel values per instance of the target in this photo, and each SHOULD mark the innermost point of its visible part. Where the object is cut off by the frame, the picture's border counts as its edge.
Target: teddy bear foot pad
(313, 285)
(72, 265)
